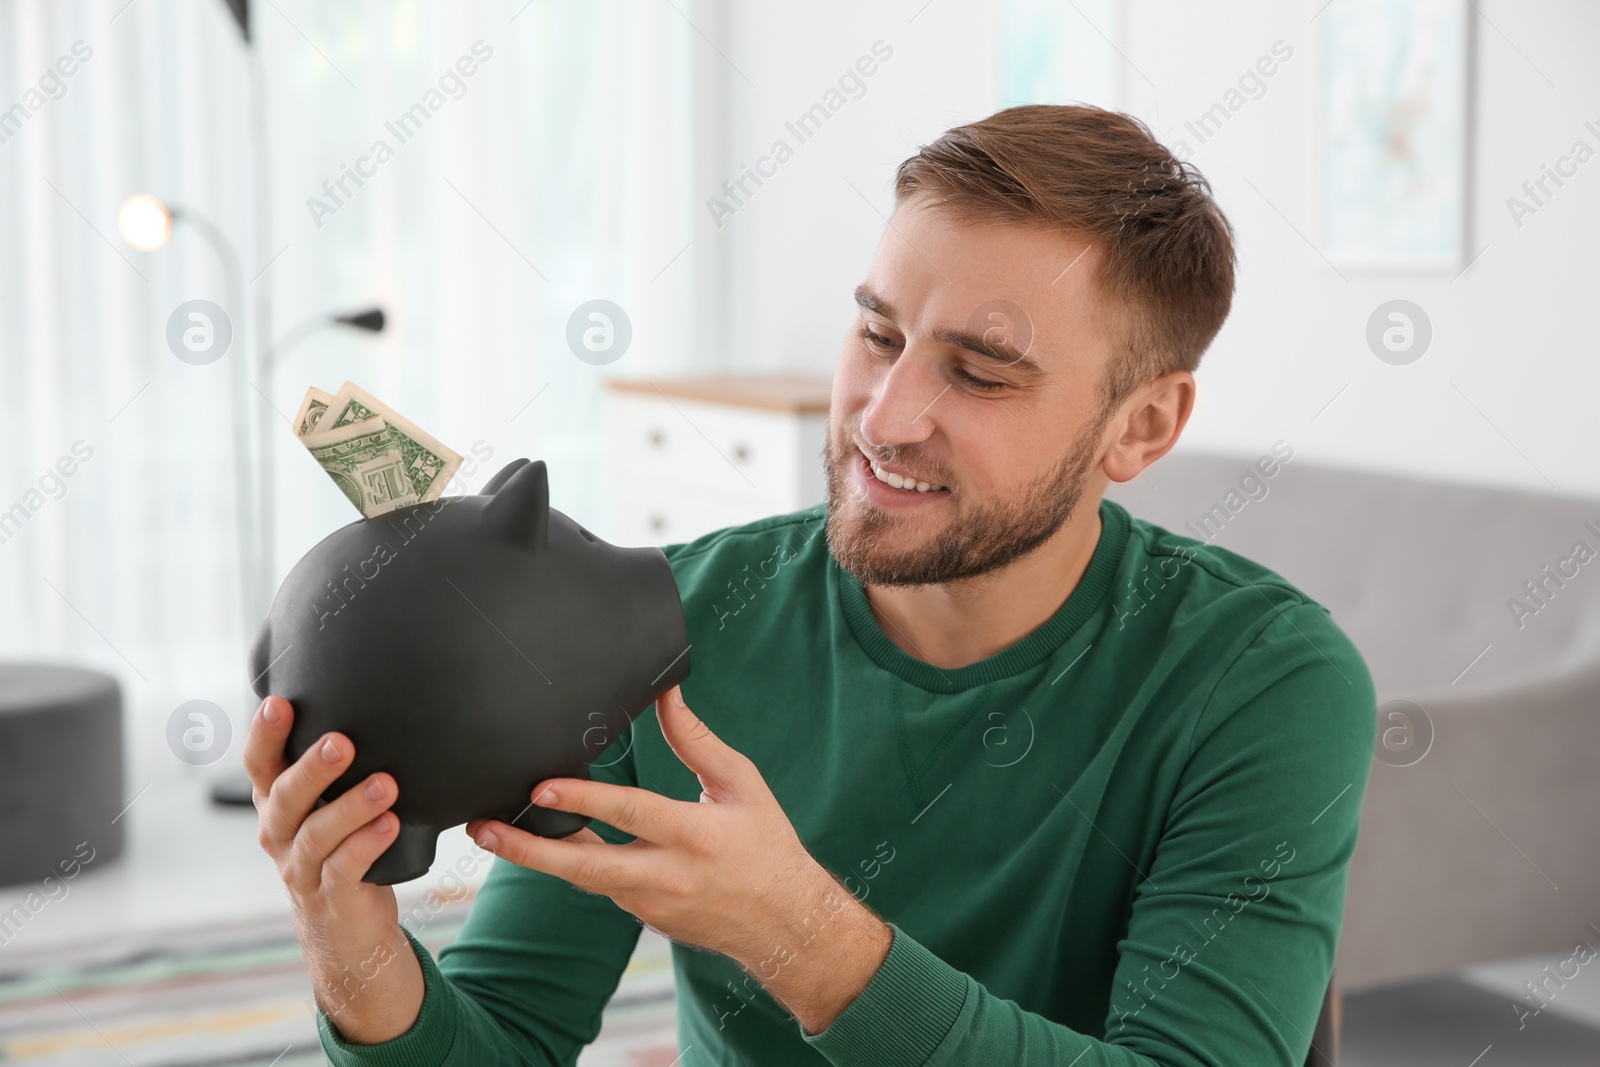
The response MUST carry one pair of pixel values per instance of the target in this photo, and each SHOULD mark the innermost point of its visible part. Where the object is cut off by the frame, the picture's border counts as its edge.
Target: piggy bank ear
(520, 510)
(502, 476)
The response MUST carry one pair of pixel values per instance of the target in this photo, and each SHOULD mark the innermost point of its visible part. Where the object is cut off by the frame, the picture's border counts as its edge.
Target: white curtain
(557, 172)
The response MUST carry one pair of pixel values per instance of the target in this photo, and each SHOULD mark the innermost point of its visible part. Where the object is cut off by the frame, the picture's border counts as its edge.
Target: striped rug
(240, 997)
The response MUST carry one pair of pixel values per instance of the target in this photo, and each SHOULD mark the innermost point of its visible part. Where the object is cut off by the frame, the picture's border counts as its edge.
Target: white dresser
(692, 455)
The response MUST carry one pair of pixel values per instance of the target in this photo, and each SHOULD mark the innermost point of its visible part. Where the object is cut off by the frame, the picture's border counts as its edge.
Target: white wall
(1504, 395)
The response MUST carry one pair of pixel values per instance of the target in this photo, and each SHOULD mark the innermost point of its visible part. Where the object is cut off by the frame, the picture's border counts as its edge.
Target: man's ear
(1148, 424)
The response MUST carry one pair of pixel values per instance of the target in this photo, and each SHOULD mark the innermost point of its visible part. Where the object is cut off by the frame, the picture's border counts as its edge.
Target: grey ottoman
(60, 771)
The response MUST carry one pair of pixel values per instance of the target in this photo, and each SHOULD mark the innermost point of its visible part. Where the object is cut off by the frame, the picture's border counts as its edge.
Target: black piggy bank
(472, 647)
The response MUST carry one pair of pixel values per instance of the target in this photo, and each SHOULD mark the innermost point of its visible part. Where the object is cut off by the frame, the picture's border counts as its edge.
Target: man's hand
(728, 874)
(364, 973)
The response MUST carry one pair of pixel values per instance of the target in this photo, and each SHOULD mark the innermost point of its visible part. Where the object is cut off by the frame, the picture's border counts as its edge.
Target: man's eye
(878, 342)
(874, 339)
(983, 384)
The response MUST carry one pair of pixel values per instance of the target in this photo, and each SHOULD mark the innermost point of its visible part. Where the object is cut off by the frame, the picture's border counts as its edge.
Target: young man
(980, 769)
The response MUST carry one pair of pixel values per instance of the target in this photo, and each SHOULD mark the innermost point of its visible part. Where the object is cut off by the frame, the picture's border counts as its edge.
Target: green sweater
(1122, 840)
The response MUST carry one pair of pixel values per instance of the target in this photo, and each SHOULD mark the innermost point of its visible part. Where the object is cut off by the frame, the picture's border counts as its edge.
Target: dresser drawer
(717, 446)
(668, 510)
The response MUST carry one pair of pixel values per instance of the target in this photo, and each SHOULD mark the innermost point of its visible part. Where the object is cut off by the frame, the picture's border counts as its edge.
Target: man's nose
(902, 406)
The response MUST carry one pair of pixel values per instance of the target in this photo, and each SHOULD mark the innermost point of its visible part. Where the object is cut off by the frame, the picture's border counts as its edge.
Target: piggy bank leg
(409, 857)
(548, 822)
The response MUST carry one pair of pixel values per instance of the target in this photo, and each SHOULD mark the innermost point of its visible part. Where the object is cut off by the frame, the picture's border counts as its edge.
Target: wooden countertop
(795, 393)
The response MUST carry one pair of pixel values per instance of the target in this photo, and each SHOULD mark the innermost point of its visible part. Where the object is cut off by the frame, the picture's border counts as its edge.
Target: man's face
(1004, 447)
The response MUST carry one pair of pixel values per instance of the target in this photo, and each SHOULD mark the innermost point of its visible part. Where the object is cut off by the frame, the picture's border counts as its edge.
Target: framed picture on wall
(1392, 132)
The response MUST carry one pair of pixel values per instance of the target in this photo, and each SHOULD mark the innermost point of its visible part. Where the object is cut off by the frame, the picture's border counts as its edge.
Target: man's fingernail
(330, 751)
(677, 697)
(488, 841)
(269, 710)
(545, 796)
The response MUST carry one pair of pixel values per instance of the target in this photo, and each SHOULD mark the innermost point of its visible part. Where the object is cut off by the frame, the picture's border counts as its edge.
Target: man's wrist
(822, 958)
(378, 1000)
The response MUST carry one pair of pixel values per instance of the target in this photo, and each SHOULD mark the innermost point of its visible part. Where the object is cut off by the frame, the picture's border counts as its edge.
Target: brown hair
(1166, 249)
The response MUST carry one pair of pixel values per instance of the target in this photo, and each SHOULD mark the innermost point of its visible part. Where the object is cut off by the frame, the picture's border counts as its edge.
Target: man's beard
(974, 542)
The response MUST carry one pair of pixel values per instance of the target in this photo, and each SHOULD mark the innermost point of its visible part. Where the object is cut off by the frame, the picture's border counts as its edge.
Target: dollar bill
(377, 457)
(311, 411)
(353, 405)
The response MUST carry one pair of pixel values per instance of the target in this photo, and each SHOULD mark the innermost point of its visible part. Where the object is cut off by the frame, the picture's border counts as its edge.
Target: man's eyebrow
(873, 302)
(998, 352)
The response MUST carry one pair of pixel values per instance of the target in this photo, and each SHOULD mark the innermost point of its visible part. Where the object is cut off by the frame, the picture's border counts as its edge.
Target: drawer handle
(741, 452)
(657, 437)
(657, 521)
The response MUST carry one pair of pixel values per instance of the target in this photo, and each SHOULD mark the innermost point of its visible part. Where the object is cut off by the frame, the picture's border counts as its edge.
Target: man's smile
(884, 484)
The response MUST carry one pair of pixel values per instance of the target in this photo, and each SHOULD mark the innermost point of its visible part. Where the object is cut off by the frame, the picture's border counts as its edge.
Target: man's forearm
(821, 961)
(377, 1000)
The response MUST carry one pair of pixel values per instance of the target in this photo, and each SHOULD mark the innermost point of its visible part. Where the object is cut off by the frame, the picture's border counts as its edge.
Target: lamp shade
(371, 320)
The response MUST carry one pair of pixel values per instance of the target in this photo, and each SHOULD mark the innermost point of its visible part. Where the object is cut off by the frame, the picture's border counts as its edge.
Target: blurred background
(424, 199)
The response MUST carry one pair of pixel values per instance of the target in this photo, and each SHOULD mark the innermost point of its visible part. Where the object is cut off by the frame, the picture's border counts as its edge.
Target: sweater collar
(1085, 599)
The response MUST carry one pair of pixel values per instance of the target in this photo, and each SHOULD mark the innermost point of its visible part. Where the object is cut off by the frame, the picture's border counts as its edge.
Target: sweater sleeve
(1231, 935)
(525, 983)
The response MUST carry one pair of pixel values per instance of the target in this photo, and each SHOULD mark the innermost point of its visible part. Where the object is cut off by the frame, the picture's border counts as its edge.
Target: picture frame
(1392, 133)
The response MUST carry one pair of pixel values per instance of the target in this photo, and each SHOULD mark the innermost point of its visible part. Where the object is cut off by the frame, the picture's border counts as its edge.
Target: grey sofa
(1480, 830)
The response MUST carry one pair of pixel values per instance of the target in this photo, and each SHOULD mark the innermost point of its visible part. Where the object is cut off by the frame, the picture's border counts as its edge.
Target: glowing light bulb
(144, 222)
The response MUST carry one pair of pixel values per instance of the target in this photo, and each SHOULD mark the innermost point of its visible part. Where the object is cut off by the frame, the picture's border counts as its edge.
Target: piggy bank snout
(658, 630)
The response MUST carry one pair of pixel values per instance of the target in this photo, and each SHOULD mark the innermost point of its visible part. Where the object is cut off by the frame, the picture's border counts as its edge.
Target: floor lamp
(146, 224)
